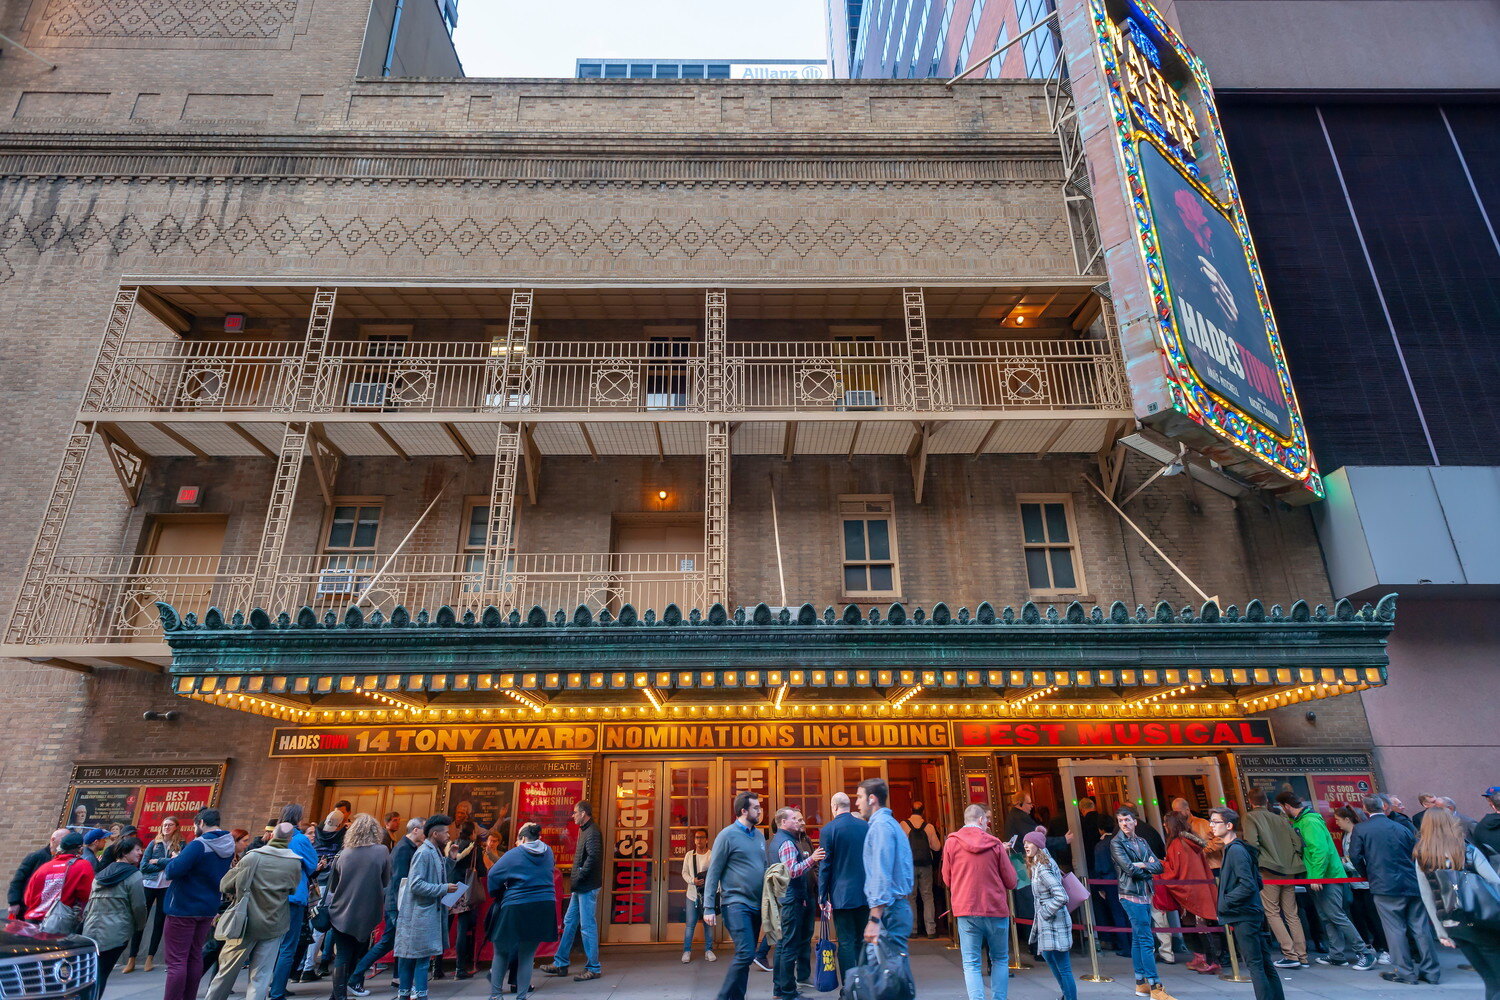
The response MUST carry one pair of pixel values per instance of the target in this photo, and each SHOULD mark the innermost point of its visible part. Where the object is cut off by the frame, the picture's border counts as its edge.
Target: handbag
(1076, 890)
(881, 977)
(1464, 896)
(826, 978)
(61, 918)
(233, 922)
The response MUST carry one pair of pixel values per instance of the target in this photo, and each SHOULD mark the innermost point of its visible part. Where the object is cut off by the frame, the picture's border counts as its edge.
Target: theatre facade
(486, 445)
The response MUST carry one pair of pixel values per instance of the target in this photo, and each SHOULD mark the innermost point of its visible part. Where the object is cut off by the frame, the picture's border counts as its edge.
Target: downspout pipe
(390, 47)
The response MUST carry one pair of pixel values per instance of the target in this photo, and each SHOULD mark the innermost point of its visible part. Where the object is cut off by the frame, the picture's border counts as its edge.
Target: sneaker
(762, 966)
(1395, 977)
(1157, 993)
(1363, 963)
(1142, 989)
(687, 957)
(1384, 958)
(1325, 960)
(710, 956)
(1287, 963)
(585, 976)
(555, 970)
(358, 990)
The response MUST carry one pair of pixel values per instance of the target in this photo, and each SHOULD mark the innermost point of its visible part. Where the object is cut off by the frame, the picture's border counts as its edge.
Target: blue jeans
(692, 918)
(411, 975)
(580, 916)
(895, 926)
(1142, 941)
(744, 927)
(1061, 964)
(287, 957)
(973, 934)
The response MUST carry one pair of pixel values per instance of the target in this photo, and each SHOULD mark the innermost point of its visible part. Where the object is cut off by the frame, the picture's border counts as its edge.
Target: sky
(529, 38)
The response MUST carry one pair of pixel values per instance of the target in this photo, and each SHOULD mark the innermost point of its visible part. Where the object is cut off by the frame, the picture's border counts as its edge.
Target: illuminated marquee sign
(1212, 322)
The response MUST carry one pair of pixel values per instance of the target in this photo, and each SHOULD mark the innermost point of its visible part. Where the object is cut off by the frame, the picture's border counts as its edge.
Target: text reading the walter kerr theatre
(634, 737)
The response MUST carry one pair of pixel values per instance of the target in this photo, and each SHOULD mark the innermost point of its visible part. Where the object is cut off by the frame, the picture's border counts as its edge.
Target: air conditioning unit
(861, 399)
(666, 400)
(368, 394)
(507, 401)
(336, 581)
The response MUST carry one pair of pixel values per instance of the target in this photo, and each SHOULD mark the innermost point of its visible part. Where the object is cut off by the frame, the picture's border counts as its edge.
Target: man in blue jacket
(841, 879)
(303, 848)
(192, 902)
(1381, 848)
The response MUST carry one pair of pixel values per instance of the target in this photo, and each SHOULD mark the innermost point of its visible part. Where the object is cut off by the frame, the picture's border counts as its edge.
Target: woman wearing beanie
(1135, 864)
(1052, 930)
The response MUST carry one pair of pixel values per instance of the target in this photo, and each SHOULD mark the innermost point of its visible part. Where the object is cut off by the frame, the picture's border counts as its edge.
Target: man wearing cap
(1486, 835)
(61, 880)
(92, 841)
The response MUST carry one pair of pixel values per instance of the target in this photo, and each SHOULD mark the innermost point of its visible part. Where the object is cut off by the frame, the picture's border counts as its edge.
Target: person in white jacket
(694, 870)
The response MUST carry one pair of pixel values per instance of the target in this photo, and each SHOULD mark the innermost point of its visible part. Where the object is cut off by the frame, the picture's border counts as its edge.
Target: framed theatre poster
(105, 793)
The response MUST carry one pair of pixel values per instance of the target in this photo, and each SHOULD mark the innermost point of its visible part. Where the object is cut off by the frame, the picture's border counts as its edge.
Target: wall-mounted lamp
(159, 716)
(661, 495)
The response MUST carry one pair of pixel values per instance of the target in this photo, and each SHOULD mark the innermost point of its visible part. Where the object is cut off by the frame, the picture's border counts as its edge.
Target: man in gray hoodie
(737, 871)
(267, 876)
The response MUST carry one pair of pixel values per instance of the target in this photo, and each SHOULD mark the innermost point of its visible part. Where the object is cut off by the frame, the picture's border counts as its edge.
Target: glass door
(1110, 783)
(692, 803)
(635, 867)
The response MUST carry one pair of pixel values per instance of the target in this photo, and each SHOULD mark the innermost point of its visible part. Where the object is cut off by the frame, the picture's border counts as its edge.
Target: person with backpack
(1442, 847)
(923, 838)
(1242, 904)
(65, 883)
(116, 911)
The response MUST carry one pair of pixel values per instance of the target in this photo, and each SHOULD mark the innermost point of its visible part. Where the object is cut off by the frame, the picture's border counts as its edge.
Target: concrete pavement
(655, 973)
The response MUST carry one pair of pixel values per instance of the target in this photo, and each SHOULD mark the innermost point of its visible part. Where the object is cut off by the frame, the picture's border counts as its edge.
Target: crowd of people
(309, 901)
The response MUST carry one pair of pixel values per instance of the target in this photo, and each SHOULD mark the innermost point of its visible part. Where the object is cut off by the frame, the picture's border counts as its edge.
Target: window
(349, 547)
(1050, 542)
(590, 70)
(692, 71)
(718, 71)
(975, 12)
(942, 41)
(616, 71)
(870, 565)
(475, 532)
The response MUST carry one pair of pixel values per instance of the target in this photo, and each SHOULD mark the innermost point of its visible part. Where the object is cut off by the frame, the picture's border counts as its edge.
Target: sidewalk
(656, 973)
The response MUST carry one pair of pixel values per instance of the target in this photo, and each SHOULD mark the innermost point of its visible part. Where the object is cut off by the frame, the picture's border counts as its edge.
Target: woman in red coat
(1196, 901)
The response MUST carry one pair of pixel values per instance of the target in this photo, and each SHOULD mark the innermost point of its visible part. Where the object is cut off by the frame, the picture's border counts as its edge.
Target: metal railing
(614, 376)
(1029, 375)
(551, 580)
(202, 375)
(99, 598)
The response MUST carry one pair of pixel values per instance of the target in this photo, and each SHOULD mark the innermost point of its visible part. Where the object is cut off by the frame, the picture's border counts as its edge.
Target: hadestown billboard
(1201, 345)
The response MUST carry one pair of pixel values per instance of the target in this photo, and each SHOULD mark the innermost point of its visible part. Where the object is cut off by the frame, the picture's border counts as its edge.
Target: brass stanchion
(1088, 924)
(1234, 975)
(1015, 939)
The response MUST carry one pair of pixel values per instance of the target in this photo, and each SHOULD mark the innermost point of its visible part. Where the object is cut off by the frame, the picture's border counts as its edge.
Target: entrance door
(1196, 779)
(690, 805)
(377, 800)
(657, 563)
(180, 567)
(1110, 783)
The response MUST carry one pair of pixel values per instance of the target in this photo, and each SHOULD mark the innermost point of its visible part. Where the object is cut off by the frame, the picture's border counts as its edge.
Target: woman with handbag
(165, 846)
(1196, 900)
(356, 896)
(523, 878)
(117, 906)
(1052, 929)
(1462, 895)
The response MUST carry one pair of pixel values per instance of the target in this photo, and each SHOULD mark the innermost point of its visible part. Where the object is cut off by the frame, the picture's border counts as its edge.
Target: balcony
(97, 599)
(558, 377)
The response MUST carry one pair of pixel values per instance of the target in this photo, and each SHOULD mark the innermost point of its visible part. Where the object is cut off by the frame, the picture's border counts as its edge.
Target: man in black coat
(583, 899)
(1381, 849)
(1240, 907)
(15, 898)
(841, 880)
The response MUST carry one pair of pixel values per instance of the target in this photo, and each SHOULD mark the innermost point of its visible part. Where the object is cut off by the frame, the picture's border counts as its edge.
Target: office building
(702, 69)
